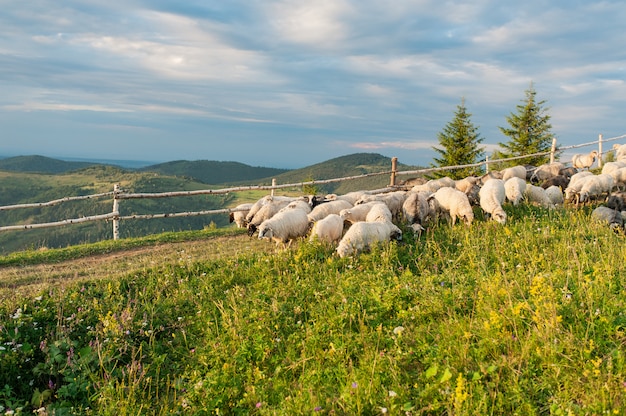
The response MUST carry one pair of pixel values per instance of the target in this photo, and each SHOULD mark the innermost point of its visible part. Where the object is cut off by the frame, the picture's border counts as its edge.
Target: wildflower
(258, 405)
(38, 298)
(355, 385)
(383, 410)
(392, 393)
(398, 330)
(18, 314)
(318, 408)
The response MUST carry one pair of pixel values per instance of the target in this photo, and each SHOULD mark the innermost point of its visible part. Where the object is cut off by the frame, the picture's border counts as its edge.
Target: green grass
(524, 319)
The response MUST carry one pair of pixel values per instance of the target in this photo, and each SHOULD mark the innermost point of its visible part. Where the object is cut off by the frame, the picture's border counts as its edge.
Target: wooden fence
(118, 195)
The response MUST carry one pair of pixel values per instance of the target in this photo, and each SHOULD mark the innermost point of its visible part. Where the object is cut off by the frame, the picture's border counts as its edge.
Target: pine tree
(529, 132)
(459, 146)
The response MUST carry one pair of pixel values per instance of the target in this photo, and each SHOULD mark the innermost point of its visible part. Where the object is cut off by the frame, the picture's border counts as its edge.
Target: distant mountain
(41, 164)
(213, 172)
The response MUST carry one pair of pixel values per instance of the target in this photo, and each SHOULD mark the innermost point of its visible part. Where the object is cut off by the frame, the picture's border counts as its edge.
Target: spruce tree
(529, 131)
(459, 142)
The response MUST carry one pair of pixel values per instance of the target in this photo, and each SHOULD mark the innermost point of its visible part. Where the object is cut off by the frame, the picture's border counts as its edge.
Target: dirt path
(20, 281)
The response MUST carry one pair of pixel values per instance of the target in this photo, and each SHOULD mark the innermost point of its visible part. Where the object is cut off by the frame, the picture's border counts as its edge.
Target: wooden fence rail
(118, 195)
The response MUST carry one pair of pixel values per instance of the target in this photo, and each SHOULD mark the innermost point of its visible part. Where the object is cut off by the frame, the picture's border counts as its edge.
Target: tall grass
(525, 319)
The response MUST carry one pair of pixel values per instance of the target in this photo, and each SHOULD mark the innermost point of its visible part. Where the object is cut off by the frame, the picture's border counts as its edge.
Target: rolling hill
(41, 164)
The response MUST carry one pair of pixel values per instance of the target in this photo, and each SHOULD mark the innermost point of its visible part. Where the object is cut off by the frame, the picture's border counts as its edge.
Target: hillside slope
(41, 164)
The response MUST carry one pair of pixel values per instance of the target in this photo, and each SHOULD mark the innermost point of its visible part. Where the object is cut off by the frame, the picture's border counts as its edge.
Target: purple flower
(318, 408)
(355, 385)
(258, 405)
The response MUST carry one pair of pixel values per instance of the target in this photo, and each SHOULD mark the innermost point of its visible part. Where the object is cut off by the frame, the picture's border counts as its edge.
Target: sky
(287, 84)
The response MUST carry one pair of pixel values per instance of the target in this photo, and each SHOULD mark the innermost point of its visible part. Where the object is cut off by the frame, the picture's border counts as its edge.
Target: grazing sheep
(332, 207)
(546, 171)
(555, 193)
(379, 212)
(285, 226)
(617, 201)
(329, 229)
(416, 209)
(514, 189)
(239, 216)
(412, 182)
(575, 185)
(537, 195)
(492, 196)
(595, 186)
(518, 171)
(610, 216)
(362, 236)
(455, 204)
(561, 181)
(272, 198)
(358, 212)
(434, 185)
(393, 200)
(619, 178)
(265, 212)
(584, 161)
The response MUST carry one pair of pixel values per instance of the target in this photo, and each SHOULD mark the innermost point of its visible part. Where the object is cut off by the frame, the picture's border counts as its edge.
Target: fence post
(273, 184)
(487, 164)
(599, 150)
(394, 169)
(116, 210)
(553, 150)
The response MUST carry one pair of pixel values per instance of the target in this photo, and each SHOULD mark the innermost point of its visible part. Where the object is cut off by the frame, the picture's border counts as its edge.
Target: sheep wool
(379, 212)
(518, 171)
(328, 229)
(555, 194)
(610, 216)
(492, 196)
(455, 204)
(362, 236)
(416, 208)
(537, 195)
(514, 189)
(327, 208)
(358, 212)
(584, 161)
(285, 226)
(239, 216)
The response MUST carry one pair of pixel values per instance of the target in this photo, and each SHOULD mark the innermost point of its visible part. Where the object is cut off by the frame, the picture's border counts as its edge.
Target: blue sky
(292, 83)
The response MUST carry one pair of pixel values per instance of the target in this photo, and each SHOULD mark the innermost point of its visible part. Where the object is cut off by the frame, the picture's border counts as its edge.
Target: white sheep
(351, 197)
(379, 212)
(546, 171)
(329, 229)
(595, 186)
(272, 198)
(363, 235)
(580, 161)
(515, 188)
(239, 216)
(393, 200)
(619, 178)
(537, 195)
(575, 185)
(416, 209)
(434, 185)
(492, 196)
(285, 226)
(454, 203)
(609, 167)
(555, 194)
(518, 171)
(327, 208)
(265, 212)
(358, 212)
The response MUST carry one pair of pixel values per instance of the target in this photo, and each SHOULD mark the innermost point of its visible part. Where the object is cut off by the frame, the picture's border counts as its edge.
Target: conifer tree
(529, 131)
(459, 142)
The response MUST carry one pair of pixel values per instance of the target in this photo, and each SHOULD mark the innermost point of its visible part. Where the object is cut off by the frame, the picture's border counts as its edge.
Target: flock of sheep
(355, 221)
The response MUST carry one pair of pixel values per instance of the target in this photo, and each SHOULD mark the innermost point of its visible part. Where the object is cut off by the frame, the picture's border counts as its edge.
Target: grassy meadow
(523, 319)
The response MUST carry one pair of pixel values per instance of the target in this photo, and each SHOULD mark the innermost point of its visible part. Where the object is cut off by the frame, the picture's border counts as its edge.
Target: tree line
(529, 132)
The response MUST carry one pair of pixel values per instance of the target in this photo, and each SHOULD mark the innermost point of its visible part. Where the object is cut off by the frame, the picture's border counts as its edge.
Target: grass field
(522, 319)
